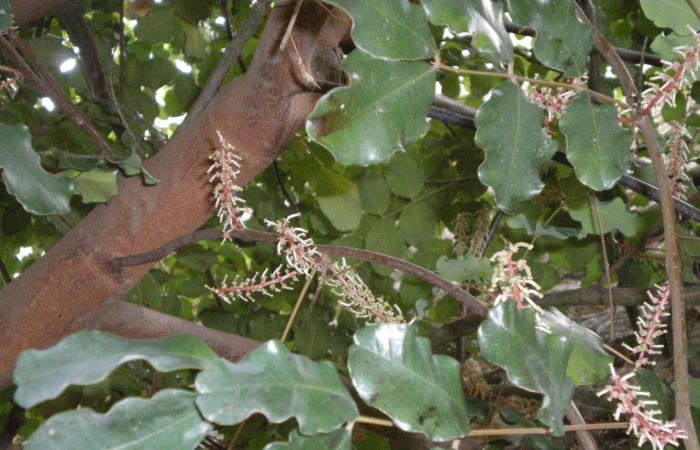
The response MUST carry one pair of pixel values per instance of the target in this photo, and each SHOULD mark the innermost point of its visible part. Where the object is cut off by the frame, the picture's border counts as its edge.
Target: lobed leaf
(273, 381)
(674, 14)
(395, 371)
(513, 158)
(88, 357)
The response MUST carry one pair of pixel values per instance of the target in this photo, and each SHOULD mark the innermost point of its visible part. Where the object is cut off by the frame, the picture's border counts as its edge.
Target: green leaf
(169, 420)
(417, 223)
(374, 193)
(88, 357)
(339, 200)
(337, 440)
(513, 159)
(273, 381)
(97, 185)
(385, 237)
(482, 18)
(596, 145)
(404, 177)
(160, 25)
(389, 29)
(5, 15)
(396, 372)
(589, 362)
(469, 268)
(674, 14)
(37, 190)
(533, 360)
(613, 216)
(383, 108)
(562, 41)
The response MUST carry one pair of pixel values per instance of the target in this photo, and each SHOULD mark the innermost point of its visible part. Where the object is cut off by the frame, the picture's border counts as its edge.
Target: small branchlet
(302, 255)
(631, 400)
(224, 171)
(265, 284)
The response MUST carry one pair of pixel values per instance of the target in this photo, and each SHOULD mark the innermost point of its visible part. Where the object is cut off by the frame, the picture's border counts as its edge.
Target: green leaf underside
(37, 190)
(337, 440)
(168, 421)
(533, 360)
(395, 371)
(88, 357)
(389, 29)
(273, 381)
(596, 145)
(589, 362)
(339, 200)
(5, 15)
(513, 158)
(482, 18)
(383, 108)
(613, 216)
(562, 41)
(97, 185)
(674, 14)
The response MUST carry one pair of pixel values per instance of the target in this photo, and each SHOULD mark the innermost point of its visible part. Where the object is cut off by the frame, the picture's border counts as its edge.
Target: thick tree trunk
(257, 113)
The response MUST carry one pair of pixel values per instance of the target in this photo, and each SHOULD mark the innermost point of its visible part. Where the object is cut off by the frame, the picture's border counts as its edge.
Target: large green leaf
(278, 384)
(513, 158)
(5, 15)
(674, 14)
(613, 216)
(395, 371)
(383, 108)
(168, 421)
(37, 190)
(562, 41)
(339, 200)
(337, 440)
(589, 362)
(88, 357)
(389, 29)
(482, 18)
(533, 360)
(596, 145)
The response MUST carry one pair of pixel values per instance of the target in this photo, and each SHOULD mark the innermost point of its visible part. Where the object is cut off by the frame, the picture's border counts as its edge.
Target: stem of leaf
(302, 294)
(606, 264)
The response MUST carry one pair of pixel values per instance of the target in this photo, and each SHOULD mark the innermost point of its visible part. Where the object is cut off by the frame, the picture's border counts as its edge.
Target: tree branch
(475, 306)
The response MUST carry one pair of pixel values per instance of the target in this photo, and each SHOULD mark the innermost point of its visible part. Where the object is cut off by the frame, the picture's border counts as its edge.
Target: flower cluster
(553, 100)
(677, 158)
(512, 279)
(631, 400)
(224, 171)
(265, 284)
(303, 256)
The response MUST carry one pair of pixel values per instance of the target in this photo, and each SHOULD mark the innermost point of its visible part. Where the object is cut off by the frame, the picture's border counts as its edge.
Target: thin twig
(585, 438)
(283, 188)
(290, 26)
(606, 264)
(295, 311)
(673, 262)
(6, 277)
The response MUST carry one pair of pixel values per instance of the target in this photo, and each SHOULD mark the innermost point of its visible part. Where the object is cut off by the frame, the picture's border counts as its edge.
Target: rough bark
(28, 11)
(257, 113)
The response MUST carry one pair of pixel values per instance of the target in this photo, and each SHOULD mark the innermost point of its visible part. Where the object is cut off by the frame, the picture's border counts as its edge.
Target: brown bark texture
(257, 113)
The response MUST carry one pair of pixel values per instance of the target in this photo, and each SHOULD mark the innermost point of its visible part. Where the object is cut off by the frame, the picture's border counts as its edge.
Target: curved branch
(474, 306)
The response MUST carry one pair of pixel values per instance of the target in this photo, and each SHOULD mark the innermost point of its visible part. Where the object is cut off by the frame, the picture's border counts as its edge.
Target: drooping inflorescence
(643, 412)
(264, 284)
(512, 279)
(224, 171)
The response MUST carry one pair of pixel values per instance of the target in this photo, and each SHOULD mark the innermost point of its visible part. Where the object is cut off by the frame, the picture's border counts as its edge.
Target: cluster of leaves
(371, 172)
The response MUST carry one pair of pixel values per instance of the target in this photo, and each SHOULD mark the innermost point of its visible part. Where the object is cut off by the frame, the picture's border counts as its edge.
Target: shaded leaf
(613, 216)
(589, 362)
(482, 18)
(5, 15)
(374, 193)
(562, 41)
(385, 237)
(273, 381)
(596, 145)
(404, 177)
(674, 14)
(533, 360)
(37, 190)
(383, 108)
(96, 186)
(417, 223)
(389, 29)
(468, 268)
(513, 158)
(337, 440)
(88, 357)
(395, 371)
(339, 200)
(169, 420)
